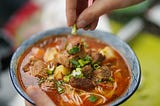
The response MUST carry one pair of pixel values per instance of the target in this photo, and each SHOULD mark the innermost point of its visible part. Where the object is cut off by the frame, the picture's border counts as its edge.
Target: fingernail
(81, 23)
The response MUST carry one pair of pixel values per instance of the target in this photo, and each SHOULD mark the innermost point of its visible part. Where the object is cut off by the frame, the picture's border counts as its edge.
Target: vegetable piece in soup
(75, 70)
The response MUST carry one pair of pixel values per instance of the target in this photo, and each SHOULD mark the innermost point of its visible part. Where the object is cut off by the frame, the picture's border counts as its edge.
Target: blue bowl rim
(65, 30)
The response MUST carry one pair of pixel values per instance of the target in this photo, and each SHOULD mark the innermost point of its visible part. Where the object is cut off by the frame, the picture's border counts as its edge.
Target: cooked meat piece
(61, 43)
(73, 42)
(87, 71)
(103, 73)
(82, 83)
(36, 68)
(81, 53)
(97, 57)
(63, 59)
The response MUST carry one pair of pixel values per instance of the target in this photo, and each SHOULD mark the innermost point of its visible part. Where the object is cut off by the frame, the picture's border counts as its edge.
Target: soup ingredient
(108, 53)
(49, 72)
(36, 68)
(74, 50)
(97, 57)
(66, 78)
(77, 73)
(49, 54)
(92, 98)
(87, 71)
(63, 58)
(75, 63)
(74, 29)
(82, 83)
(84, 61)
(96, 66)
(102, 73)
(59, 85)
(60, 71)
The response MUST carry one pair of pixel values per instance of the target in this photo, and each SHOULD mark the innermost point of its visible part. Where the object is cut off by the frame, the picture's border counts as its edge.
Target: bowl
(122, 47)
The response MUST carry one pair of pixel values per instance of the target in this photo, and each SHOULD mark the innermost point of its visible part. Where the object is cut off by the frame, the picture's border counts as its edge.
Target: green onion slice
(74, 30)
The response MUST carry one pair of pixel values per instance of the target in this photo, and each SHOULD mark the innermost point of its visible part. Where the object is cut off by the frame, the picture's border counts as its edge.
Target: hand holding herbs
(78, 11)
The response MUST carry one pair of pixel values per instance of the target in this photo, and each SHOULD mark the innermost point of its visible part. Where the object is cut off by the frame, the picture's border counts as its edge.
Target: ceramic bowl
(110, 39)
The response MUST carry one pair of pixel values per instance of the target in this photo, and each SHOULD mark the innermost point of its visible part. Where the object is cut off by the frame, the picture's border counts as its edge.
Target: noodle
(76, 98)
(112, 91)
(99, 89)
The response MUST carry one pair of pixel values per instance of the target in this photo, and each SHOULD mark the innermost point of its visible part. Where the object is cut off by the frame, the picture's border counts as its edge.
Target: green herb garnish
(49, 72)
(60, 90)
(87, 58)
(96, 66)
(67, 78)
(110, 79)
(92, 98)
(74, 50)
(74, 30)
(81, 62)
(59, 86)
(75, 63)
(84, 61)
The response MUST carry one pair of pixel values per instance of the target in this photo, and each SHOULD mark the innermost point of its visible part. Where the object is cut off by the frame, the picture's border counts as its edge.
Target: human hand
(77, 11)
(39, 97)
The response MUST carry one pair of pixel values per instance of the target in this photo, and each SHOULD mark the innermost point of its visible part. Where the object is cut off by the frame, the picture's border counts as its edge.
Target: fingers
(39, 97)
(91, 26)
(94, 25)
(100, 7)
(89, 15)
(71, 11)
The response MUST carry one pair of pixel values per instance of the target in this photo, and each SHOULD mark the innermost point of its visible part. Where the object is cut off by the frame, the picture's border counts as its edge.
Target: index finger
(71, 6)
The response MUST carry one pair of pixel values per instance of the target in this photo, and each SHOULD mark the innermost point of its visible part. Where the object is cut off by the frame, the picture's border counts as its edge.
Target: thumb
(39, 97)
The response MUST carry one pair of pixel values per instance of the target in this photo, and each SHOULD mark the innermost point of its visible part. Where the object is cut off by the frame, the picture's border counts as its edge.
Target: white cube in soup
(49, 54)
(108, 52)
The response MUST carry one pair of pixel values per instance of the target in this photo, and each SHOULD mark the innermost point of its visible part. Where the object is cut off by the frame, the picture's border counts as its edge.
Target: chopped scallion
(60, 89)
(74, 29)
(75, 63)
(110, 79)
(49, 72)
(66, 78)
(74, 50)
(81, 62)
(92, 98)
(59, 85)
(96, 66)
(88, 58)
(84, 61)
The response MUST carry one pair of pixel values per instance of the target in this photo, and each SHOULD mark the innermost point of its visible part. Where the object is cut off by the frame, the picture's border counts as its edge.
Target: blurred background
(137, 25)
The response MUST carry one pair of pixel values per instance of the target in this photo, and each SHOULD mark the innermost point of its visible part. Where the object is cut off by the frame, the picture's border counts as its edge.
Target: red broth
(106, 82)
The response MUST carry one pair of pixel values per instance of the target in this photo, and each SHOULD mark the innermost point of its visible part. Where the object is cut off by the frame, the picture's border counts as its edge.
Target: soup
(74, 70)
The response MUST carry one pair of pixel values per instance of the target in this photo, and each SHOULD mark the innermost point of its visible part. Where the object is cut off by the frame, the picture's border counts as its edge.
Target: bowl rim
(63, 30)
